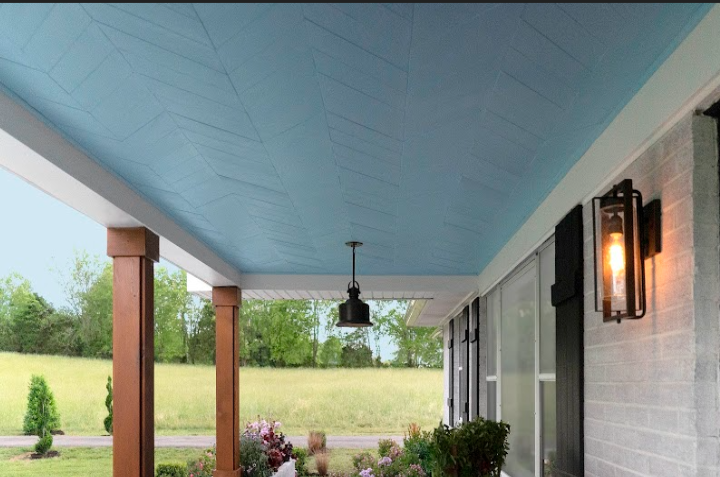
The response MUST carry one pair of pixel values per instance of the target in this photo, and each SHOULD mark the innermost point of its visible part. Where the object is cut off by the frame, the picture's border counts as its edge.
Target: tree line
(280, 333)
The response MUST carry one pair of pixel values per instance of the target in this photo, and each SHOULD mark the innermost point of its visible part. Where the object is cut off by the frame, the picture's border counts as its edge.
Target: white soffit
(437, 295)
(676, 89)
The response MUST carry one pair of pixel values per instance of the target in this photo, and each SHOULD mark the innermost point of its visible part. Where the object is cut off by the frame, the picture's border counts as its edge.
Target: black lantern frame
(354, 313)
(624, 234)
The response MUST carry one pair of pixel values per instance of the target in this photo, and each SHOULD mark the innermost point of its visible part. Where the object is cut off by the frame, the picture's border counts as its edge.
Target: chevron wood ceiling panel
(274, 133)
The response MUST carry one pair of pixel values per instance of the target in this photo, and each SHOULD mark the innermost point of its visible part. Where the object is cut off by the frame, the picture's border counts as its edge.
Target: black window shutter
(464, 365)
(451, 374)
(567, 298)
(474, 361)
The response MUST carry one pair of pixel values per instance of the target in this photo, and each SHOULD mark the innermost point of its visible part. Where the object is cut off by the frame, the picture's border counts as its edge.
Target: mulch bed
(35, 456)
(48, 455)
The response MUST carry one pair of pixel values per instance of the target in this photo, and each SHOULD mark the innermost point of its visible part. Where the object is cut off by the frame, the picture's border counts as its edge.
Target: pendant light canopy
(354, 313)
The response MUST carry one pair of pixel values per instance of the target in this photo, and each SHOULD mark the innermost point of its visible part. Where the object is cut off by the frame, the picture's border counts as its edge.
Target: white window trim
(532, 261)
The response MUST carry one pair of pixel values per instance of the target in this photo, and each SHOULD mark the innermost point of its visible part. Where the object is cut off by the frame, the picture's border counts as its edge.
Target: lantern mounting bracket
(651, 236)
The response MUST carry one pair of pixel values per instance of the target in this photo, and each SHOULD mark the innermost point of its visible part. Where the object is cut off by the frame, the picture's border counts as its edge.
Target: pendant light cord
(354, 282)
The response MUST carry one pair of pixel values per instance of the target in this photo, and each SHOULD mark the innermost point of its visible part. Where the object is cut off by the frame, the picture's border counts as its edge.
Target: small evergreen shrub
(171, 470)
(44, 443)
(42, 414)
(301, 456)
(108, 422)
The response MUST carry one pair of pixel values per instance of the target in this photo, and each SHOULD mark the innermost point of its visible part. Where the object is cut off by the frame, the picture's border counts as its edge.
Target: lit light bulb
(616, 260)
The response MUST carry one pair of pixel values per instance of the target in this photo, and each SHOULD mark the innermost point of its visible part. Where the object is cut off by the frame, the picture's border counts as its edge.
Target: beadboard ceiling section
(276, 133)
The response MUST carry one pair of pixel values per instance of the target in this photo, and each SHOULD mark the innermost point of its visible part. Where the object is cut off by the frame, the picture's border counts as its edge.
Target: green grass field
(84, 462)
(338, 401)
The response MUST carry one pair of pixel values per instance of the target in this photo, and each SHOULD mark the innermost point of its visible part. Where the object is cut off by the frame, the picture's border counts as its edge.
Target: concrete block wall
(651, 385)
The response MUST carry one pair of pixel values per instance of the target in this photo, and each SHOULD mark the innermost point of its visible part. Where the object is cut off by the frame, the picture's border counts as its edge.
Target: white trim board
(683, 81)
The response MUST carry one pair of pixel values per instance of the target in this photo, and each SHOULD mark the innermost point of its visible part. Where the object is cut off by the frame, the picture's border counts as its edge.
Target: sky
(39, 236)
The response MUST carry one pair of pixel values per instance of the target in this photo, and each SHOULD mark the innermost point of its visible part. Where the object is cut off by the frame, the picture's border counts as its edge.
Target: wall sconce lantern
(625, 233)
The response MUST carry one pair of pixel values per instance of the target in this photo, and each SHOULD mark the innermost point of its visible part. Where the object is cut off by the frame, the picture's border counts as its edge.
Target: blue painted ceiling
(275, 133)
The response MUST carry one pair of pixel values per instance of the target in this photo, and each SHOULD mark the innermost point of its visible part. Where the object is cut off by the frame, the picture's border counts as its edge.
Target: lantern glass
(619, 270)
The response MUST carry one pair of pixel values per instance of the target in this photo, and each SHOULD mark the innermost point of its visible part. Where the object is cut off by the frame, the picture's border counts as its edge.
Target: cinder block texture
(652, 404)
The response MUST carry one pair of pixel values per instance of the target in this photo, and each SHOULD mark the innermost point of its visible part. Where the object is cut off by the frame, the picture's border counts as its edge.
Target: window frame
(494, 313)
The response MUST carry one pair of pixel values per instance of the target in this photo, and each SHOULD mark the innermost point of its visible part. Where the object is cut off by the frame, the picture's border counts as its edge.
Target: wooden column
(134, 252)
(227, 380)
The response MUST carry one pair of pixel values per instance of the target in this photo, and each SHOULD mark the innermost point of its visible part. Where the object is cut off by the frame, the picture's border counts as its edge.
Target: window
(521, 363)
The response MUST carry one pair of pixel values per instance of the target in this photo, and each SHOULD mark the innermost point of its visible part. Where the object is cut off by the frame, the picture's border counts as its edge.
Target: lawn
(84, 462)
(338, 401)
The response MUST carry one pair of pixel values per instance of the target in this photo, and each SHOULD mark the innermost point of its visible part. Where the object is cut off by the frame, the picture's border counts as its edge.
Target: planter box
(286, 470)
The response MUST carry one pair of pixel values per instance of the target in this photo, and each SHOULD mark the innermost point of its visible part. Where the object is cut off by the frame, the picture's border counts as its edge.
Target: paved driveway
(333, 442)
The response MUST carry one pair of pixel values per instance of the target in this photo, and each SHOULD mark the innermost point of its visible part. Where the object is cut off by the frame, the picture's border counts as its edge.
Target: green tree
(30, 316)
(356, 355)
(201, 332)
(415, 346)
(172, 307)
(15, 291)
(276, 333)
(42, 415)
(87, 281)
(331, 352)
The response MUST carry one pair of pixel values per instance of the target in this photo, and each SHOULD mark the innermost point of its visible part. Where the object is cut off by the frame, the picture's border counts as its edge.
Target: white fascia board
(689, 75)
(39, 155)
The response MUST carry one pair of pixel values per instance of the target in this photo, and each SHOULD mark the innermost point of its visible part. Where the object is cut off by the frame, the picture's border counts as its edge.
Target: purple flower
(367, 473)
(385, 461)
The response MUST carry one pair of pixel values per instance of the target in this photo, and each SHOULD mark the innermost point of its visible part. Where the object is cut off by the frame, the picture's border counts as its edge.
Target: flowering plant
(204, 466)
(393, 462)
(273, 441)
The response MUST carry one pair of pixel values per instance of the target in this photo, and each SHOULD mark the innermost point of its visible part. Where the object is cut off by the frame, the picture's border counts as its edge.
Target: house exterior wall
(651, 385)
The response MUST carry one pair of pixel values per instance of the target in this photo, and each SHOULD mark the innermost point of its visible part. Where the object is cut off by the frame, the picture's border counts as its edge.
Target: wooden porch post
(227, 391)
(134, 251)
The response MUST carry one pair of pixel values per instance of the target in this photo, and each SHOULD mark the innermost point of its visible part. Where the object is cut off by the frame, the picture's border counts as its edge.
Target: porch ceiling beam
(42, 157)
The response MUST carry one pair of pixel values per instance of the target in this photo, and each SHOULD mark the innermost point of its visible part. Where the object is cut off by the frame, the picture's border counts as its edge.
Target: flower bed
(263, 452)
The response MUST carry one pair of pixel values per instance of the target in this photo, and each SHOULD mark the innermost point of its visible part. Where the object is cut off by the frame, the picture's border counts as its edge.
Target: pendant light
(354, 313)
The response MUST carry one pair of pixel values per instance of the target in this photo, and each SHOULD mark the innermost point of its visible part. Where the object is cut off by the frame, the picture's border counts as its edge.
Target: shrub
(477, 448)
(322, 462)
(317, 442)
(418, 445)
(300, 455)
(385, 446)
(44, 443)
(204, 466)
(171, 470)
(253, 460)
(395, 463)
(42, 414)
(108, 422)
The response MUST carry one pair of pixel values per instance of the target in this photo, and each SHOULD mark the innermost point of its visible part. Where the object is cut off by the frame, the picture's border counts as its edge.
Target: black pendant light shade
(354, 313)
